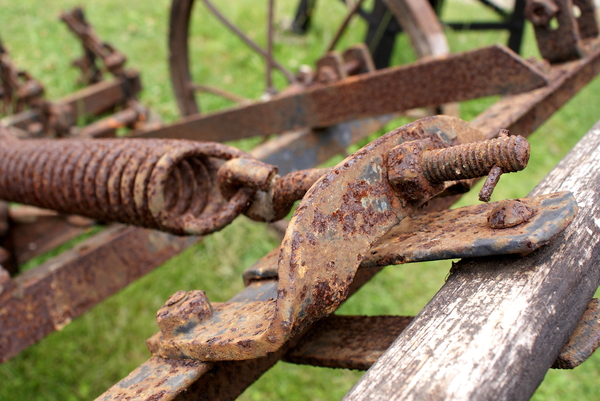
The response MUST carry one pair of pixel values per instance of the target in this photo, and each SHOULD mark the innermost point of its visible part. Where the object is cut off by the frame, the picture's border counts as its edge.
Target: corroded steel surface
(154, 184)
(349, 342)
(485, 72)
(351, 207)
(584, 341)
(465, 232)
(40, 301)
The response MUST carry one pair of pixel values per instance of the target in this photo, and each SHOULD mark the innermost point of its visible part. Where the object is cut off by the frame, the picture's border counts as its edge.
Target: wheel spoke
(352, 10)
(219, 92)
(248, 41)
(269, 59)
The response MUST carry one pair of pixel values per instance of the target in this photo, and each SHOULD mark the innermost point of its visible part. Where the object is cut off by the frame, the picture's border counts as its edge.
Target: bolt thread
(475, 159)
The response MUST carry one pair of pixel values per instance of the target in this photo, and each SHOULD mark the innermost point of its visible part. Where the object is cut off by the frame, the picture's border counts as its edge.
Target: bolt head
(405, 172)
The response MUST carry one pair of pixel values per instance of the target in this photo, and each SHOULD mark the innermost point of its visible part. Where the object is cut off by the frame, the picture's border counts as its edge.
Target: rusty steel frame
(417, 18)
(92, 100)
(521, 114)
(490, 71)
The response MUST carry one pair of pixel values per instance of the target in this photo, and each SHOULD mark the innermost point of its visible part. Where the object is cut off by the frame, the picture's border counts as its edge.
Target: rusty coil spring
(161, 184)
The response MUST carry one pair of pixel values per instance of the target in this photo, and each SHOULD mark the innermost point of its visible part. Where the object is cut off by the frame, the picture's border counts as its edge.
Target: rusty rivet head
(510, 213)
(182, 312)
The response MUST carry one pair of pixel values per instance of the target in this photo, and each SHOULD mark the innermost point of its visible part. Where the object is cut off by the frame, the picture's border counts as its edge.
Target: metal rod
(289, 76)
(269, 58)
(344, 25)
(219, 92)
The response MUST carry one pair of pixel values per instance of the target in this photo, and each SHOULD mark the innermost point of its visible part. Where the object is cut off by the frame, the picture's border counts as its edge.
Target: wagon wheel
(417, 18)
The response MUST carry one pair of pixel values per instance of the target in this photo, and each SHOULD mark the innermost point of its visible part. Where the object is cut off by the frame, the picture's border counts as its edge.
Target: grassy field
(101, 347)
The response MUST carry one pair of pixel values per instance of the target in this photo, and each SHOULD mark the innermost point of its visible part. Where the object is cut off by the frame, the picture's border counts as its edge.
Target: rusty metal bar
(92, 100)
(485, 72)
(34, 232)
(523, 114)
(347, 342)
(45, 299)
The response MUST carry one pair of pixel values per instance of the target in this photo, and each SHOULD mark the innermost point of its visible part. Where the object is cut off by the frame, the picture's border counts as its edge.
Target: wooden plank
(498, 324)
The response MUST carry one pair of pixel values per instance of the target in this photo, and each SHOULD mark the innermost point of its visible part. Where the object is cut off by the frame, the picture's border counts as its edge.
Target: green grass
(102, 346)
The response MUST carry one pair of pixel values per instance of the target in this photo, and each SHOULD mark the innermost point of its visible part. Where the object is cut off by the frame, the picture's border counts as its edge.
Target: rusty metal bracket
(94, 48)
(352, 206)
(19, 88)
(558, 31)
(460, 233)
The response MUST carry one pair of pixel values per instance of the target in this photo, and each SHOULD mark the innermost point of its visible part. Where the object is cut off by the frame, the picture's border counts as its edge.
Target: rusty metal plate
(466, 232)
(455, 234)
(485, 72)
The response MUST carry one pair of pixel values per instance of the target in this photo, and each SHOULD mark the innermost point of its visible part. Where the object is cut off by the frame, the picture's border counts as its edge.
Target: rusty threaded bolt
(473, 160)
(418, 170)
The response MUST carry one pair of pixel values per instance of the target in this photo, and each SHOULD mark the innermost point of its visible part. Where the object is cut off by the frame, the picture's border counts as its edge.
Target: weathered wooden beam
(498, 324)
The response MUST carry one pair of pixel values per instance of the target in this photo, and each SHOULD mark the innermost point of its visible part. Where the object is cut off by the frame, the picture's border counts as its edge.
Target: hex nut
(182, 312)
(405, 172)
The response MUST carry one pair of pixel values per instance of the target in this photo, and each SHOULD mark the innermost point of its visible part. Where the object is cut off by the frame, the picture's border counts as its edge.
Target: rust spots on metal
(348, 342)
(465, 232)
(584, 341)
(167, 185)
(183, 311)
(510, 213)
(419, 168)
(348, 208)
